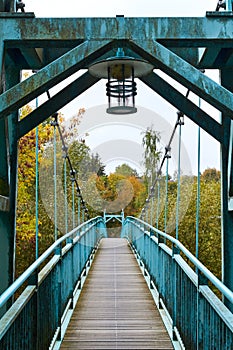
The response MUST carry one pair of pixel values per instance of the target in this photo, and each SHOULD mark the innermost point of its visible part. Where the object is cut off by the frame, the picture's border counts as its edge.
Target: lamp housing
(121, 88)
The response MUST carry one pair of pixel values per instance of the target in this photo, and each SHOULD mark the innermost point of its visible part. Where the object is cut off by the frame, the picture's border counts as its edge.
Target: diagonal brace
(56, 102)
(173, 96)
(186, 74)
(52, 74)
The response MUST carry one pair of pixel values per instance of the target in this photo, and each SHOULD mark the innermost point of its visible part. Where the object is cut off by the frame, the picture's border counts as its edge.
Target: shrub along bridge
(174, 305)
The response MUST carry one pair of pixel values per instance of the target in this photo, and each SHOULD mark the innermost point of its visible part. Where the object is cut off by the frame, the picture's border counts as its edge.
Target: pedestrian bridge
(144, 290)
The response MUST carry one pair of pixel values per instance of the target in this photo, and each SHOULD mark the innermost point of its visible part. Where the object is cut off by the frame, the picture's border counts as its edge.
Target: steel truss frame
(59, 47)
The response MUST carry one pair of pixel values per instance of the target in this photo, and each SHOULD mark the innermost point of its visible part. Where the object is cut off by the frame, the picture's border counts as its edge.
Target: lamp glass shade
(121, 88)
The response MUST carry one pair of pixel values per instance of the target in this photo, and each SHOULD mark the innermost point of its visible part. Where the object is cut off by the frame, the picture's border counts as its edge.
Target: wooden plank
(115, 309)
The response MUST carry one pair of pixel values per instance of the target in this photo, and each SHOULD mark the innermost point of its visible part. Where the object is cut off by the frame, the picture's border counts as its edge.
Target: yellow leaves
(26, 220)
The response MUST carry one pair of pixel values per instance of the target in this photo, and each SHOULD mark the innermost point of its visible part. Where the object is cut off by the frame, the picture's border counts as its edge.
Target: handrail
(209, 275)
(7, 294)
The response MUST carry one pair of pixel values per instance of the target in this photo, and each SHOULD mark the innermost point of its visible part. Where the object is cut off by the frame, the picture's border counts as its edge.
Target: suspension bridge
(143, 289)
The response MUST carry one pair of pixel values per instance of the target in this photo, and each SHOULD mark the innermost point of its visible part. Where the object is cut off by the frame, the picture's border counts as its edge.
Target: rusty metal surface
(186, 74)
(21, 28)
(49, 76)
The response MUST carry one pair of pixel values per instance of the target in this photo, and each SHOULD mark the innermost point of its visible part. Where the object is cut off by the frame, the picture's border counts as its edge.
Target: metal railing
(198, 316)
(35, 317)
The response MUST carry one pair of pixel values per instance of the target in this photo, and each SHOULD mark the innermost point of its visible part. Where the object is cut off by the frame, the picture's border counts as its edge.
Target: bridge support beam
(7, 5)
(187, 75)
(52, 74)
(178, 100)
(1, 65)
(8, 185)
(226, 171)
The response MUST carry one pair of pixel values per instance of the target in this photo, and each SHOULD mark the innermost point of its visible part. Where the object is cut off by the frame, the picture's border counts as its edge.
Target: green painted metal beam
(8, 173)
(23, 30)
(54, 73)
(56, 102)
(226, 186)
(186, 74)
(226, 214)
(21, 33)
(230, 169)
(217, 26)
(209, 57)
(8, 5)
(1, 65)
(33, 56)
(173, 96)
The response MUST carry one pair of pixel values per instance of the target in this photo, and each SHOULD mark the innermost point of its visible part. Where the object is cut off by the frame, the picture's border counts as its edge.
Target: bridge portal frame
(59, 47)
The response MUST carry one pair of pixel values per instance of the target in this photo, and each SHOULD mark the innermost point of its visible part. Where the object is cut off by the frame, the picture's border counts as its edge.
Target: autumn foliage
(123, 189)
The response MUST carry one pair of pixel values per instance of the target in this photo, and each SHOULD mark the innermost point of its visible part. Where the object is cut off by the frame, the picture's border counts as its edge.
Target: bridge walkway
(116, 309)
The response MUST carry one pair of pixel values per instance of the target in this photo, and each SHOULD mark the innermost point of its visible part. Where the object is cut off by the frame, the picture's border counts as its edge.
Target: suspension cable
(168, 156)
(65, 191)
(198, 192)
(151, 211)
(167, 150)
(158, 204)
(72, 170)
(54, 124)
(37, 194)
(180, 123)
(73, 204)
(79, 217)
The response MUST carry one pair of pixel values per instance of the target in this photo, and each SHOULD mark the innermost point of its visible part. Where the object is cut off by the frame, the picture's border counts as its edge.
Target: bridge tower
(57, 48)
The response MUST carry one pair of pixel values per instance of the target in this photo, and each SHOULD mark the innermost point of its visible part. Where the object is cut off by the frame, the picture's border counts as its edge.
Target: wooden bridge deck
(115, 309)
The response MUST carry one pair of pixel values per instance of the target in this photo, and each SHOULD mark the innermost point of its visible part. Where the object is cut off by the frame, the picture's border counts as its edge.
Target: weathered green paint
(230, 169)
(56, 102)
(173, 96)
(51, 75)
(4, 216)
(229, 5)
(187, 75)
(33, 57)
(26, 31)
(1, 65)
(226, 171)
(8, 169)
(209, 56)
(73, 43)
(7, 5)
(177, 29)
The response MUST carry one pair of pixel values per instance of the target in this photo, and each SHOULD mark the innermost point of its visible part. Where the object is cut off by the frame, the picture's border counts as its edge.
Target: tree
(150, 142)
(209, 218)
(25, 217)
(211, 174)
(139, 197)
(125, 170)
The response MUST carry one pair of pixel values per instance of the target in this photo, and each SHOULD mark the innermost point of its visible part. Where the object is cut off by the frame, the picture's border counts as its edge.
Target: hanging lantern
(121, 88)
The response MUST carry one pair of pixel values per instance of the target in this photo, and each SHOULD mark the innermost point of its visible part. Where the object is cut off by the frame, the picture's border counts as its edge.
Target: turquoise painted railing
(35, 318)
(198, 316)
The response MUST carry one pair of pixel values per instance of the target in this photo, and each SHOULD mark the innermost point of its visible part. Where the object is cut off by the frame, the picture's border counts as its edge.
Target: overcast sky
(146, 98)
(132, 8)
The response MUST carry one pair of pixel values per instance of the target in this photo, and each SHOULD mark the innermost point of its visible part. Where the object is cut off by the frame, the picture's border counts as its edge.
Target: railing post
(33, 281)
(202, 280)
(58, 251)
(160, 273)
(145, 252)
(175, 251)
(71, 241)
(151, 258)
